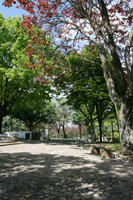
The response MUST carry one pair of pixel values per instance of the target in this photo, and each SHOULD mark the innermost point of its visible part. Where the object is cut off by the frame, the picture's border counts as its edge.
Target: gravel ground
(58, 171)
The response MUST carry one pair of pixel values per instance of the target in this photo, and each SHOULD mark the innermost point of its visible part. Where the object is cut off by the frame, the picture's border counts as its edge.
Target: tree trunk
(11, 125)
(100, 121)
(63, 126)
(80, 128)
(92, 129)
(117, 123)
(1, 119)
(121, 95)
(58, 129)
(31, 130)
(112, 127)
(125, 116)
(87, 133)
(124, 111)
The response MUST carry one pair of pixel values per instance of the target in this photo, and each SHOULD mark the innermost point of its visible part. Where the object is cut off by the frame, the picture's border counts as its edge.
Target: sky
(10, 12)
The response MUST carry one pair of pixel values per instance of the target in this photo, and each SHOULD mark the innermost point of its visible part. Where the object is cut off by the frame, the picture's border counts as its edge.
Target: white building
(20, 134)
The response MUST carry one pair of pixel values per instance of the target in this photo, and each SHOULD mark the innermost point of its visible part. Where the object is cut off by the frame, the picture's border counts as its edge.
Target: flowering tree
(108, 24)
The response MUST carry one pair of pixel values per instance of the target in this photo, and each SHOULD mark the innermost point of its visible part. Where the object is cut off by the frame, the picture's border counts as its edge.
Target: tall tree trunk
(31, 130)
(123, 105)
(125, 116)
(100, 121)
(11, 125)
(124, 111)
(87, 133)
(58, 127)
(65, 135)
(112, 127)
(120, 87)
(80, 129)
(92, 128)
(1, 119)
(58, 131)
(117, 123)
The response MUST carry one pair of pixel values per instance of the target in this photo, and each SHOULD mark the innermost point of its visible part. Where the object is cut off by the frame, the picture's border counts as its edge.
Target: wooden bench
(95, 149)
(105, 152)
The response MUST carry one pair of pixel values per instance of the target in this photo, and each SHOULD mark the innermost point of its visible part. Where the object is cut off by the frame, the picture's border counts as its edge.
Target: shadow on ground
(55, 141)
(47, 177)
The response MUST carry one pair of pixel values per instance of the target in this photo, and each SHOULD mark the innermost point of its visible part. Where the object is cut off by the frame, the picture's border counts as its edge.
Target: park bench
(95, 149)
(105, 152)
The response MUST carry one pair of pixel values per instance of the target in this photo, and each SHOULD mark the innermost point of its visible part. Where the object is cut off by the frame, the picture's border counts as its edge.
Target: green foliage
(62, 117)
(12, 44)
(15, 79)
(63, 114)
(114, 146)
(77, 118)
(85, 77)
(34, 108)
(21, 90)
(84, 85)
(116, 137)
(9, 123)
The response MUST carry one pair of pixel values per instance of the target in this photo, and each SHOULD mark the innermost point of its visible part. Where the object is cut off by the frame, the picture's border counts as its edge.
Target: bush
(116, 137)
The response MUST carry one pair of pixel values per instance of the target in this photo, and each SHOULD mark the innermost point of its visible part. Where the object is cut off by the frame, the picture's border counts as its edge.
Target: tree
(12, 124)
(15, 78)
(78, 119)
(34, 109)
(108, 24)
(85, 87)
(19, 78)
(62, 116)
(110, 117)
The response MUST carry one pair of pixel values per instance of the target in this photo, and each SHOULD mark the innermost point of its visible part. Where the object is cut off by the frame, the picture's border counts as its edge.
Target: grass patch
(114, 146)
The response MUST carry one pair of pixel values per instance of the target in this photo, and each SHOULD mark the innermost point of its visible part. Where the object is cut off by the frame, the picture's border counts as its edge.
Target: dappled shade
(51, 175)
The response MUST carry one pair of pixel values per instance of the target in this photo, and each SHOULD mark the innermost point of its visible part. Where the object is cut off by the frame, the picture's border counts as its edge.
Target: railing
(5, 138)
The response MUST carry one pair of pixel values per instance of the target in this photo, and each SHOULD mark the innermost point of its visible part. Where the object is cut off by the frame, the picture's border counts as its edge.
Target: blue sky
(10, 12)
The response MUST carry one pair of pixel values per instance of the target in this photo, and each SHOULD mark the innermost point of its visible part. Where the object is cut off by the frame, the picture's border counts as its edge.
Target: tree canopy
(17, 80)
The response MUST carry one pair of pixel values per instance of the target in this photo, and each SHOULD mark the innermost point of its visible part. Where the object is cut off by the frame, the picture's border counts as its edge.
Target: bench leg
(105, 154)
(95, 151)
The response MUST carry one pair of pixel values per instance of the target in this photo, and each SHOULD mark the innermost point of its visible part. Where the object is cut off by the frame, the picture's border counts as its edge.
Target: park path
(58, 171)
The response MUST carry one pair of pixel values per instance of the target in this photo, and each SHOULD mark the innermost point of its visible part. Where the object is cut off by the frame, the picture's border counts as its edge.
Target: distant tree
(78, 119)
(62, 117)
(12, 124)
(85, 87)
(110, 116)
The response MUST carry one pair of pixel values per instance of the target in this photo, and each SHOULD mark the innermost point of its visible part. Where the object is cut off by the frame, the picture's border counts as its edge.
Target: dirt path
(61, 172)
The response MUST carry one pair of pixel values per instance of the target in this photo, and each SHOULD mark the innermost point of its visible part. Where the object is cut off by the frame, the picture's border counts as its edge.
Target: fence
(6, 138)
